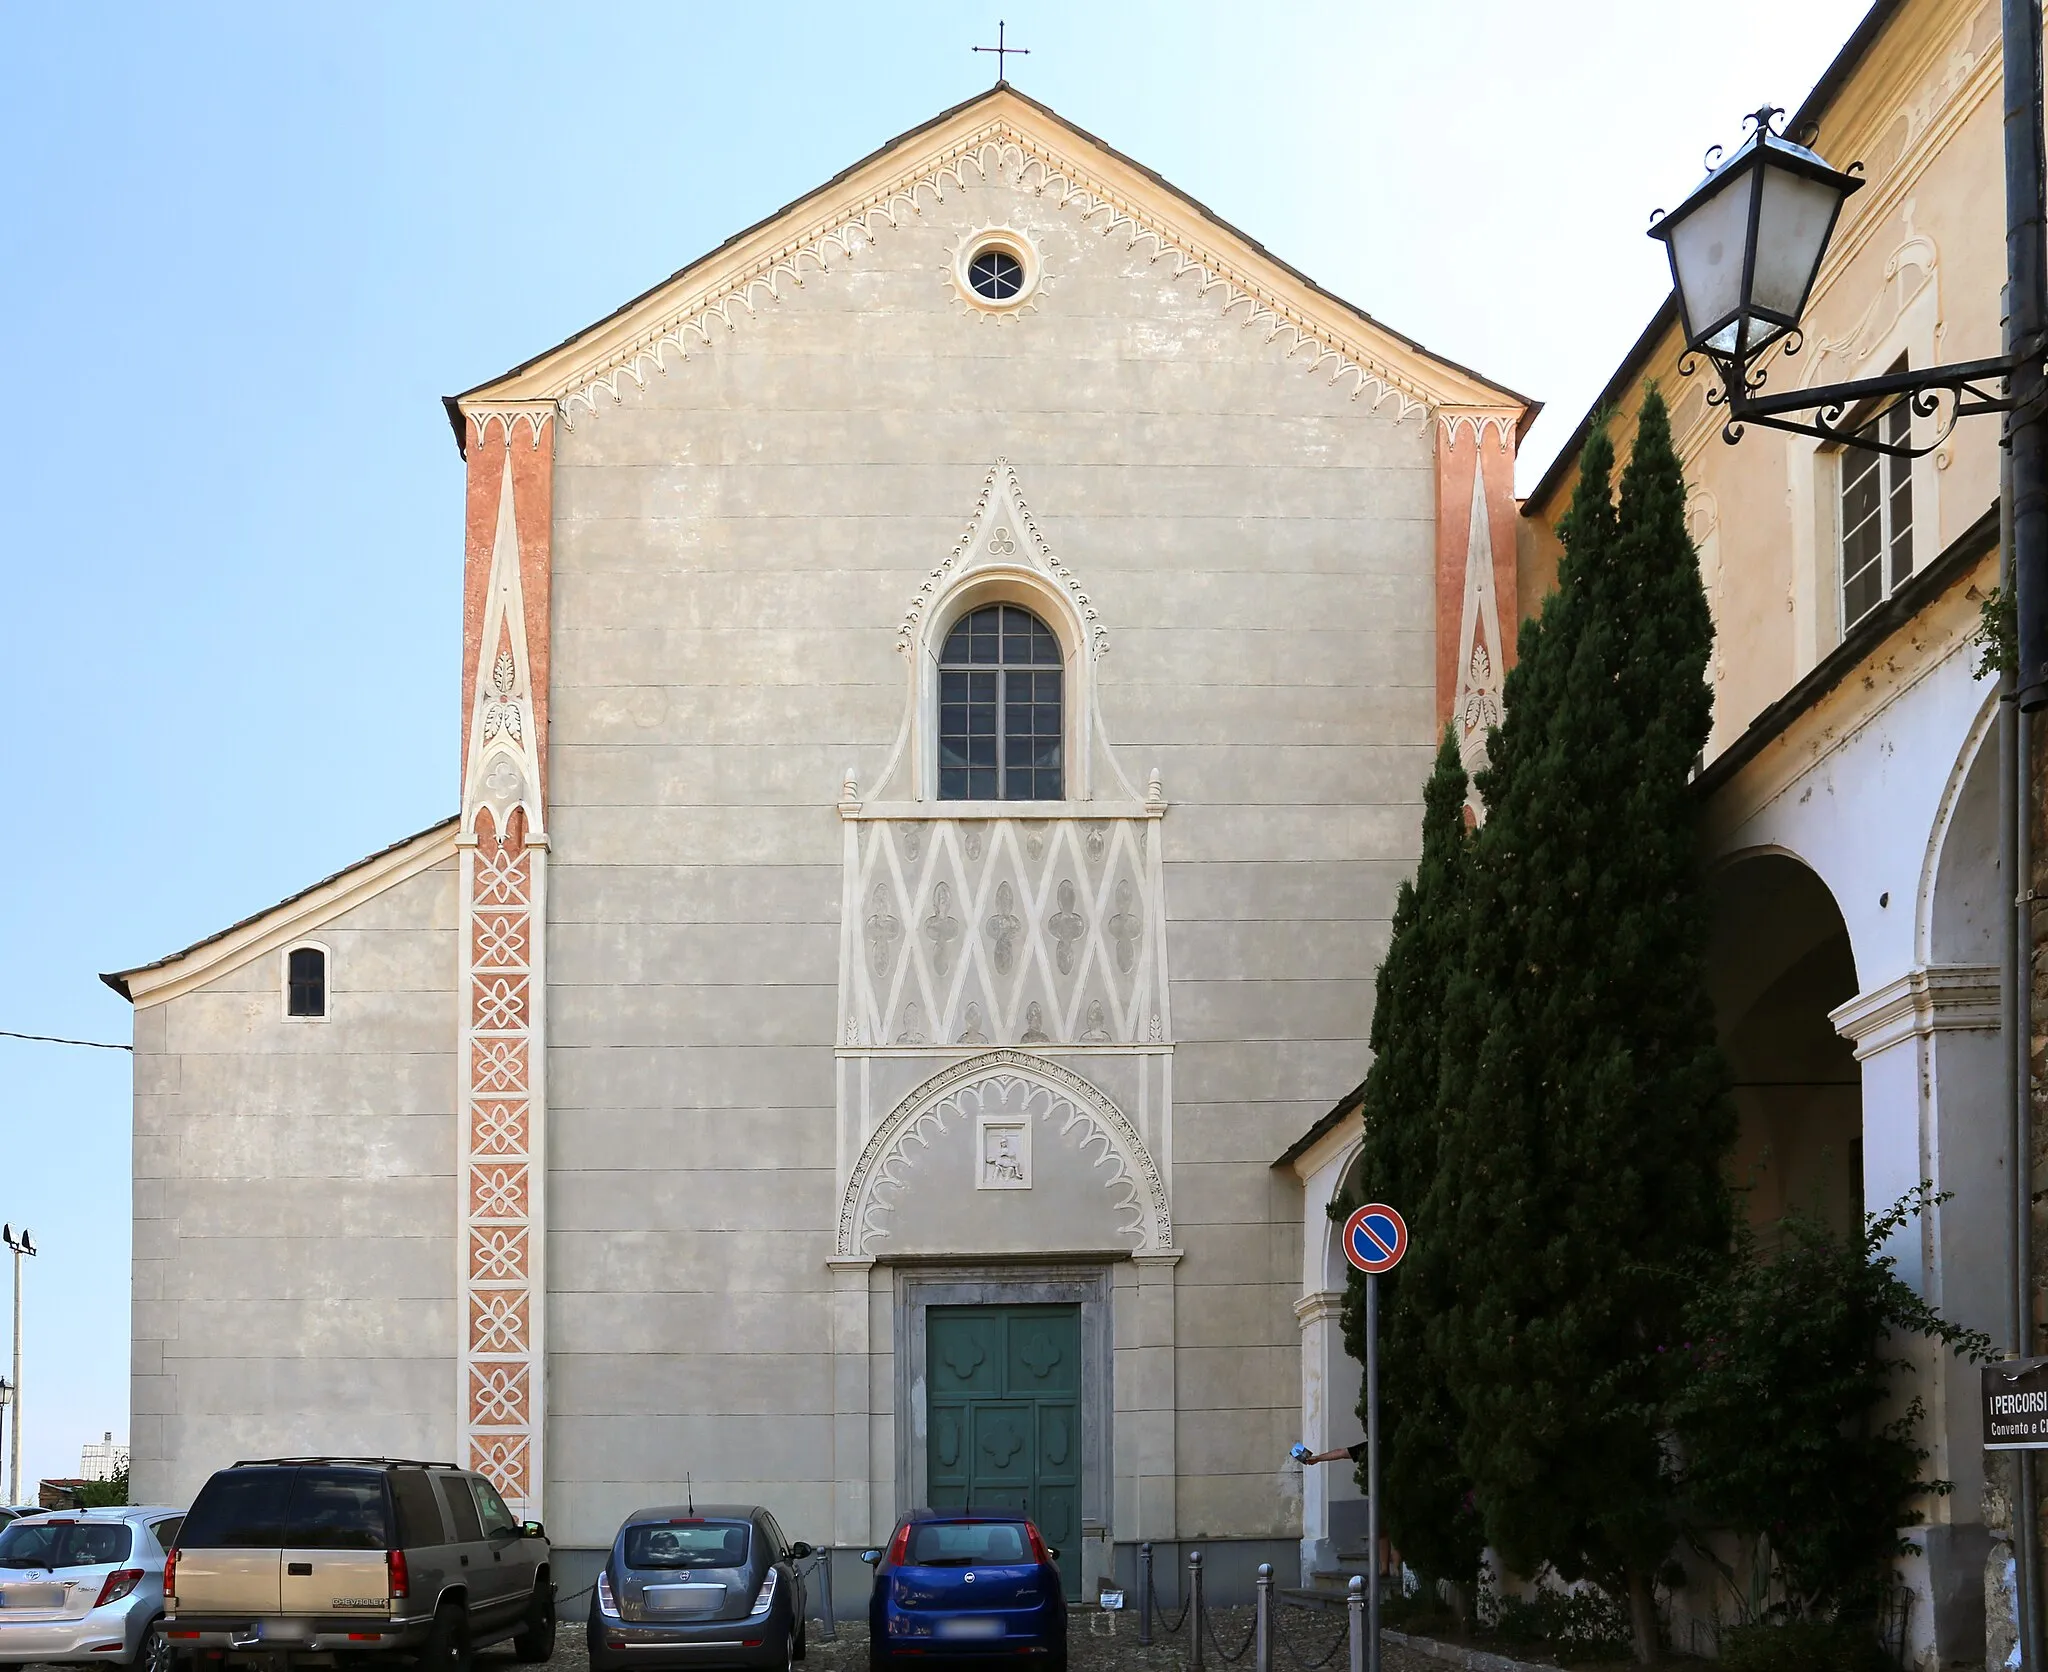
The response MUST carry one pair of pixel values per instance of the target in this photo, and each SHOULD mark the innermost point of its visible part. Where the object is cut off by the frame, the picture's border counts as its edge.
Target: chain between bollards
(1354, 1602)
(1195, 1604)
(1263, 1617)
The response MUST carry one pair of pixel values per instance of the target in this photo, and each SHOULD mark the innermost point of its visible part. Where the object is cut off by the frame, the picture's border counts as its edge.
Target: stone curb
(1473, 1660)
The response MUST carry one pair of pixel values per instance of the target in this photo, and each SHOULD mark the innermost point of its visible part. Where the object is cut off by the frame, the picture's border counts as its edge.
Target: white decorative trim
(970, 244)
(507, 416)
(503, 771)
(961, 933)
(1319, 1306)
(1477, 708)
(1001, 490)
(1975, 742)
(1001, 556)
(1052, 1092)
(1936, 998)
(996, 148)
(1479, 425)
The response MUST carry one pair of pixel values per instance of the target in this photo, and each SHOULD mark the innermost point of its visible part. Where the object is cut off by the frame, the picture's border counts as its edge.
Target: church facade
(948, 679)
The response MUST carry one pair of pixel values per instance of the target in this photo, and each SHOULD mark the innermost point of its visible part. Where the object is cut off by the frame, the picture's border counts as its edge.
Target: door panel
(1004, 1423)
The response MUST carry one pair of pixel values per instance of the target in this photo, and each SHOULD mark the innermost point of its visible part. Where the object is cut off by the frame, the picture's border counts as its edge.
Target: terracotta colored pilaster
(1477, 613)
(501, 1349)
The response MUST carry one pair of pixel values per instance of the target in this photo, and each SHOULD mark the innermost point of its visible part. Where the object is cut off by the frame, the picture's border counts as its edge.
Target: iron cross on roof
(1001, 49)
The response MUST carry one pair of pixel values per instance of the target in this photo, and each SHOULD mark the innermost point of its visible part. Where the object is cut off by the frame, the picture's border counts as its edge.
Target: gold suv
(326, 1560)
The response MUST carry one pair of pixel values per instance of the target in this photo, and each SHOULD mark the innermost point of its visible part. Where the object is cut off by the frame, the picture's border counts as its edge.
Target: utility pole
(23, 1245)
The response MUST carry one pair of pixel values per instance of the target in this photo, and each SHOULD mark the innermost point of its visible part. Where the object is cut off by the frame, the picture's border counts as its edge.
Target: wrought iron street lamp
(1745, 248)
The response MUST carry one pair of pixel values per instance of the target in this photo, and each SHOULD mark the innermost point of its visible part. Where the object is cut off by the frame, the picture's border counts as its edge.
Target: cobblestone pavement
(1304, 1636)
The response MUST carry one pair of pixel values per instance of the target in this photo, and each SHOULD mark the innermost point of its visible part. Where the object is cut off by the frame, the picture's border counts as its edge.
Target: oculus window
(305, 982)
(995, 274)
(1001, 708)
(1877, 516)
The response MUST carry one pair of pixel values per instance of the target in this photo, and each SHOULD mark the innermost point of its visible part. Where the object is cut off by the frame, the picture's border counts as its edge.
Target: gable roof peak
(993, 128)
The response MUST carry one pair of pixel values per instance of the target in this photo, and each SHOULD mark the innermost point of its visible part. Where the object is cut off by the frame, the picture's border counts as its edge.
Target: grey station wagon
(703, 1585)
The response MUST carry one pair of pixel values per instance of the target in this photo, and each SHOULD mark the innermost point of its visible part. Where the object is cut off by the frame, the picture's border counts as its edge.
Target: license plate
(970, 1628)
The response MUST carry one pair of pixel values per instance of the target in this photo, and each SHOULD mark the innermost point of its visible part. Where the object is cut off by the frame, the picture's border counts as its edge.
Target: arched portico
(1778, 967)
(1864, 892)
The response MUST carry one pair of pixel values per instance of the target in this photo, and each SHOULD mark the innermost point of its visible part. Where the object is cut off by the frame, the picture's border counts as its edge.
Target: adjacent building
(1851, 784)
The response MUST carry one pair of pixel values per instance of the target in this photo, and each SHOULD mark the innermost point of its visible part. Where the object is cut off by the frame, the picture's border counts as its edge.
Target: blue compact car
(966, 1585)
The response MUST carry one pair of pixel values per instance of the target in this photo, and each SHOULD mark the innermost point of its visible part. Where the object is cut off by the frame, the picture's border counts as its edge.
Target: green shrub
(1582, 1625)
(1804, 1646)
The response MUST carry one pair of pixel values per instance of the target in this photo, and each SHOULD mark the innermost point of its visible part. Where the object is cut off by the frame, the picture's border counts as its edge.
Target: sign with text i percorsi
(2016, 1405)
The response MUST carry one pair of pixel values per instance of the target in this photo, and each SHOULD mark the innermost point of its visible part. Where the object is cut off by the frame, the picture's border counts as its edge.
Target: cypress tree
(1424, 1489)
(1585, 1107)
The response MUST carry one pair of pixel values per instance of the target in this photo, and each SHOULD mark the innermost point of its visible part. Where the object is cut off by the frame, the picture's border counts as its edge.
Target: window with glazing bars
(1877, 516)
(306, 982)
(1000, 708)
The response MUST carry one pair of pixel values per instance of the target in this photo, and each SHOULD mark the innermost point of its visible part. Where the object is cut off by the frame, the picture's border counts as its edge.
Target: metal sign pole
(1372, 1472)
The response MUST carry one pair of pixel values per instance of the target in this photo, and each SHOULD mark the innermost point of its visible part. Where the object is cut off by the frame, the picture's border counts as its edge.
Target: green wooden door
(1003, 1407)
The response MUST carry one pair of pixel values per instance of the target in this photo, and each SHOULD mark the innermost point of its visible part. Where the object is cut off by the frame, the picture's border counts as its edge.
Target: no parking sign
(1375, 1238)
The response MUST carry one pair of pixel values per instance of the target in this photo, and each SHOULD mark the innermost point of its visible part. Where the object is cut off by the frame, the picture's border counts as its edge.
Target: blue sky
(250, 248)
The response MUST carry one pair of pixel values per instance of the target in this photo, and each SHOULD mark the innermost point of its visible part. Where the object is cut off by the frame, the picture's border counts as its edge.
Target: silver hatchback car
(86, 1586)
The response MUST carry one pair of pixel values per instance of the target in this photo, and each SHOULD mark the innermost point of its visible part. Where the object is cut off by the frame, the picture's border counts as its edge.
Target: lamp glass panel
(1791, 232)
(1706, 250)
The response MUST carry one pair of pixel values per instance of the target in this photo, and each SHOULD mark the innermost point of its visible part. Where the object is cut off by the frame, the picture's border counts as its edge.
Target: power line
(54, 1039)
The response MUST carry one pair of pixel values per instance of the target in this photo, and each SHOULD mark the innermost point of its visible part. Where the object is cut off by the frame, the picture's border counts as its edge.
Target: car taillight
(766, 1600)
(401, 1580)
(606, 1602)
(171, 1577)
(119, 1583)
(899, 1546)
(1037, 1544)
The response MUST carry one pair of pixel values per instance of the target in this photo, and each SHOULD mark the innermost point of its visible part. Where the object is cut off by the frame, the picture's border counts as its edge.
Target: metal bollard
(831, 1632)
(1354, 1603)
(1262, 1617)
(1145, 1594)
(1195, 1621)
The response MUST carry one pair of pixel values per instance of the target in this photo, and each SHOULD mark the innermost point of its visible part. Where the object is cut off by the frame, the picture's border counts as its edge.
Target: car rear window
(239, 1509)
(968, 1543)
(688, 1544)
(337, 1509)
(64, 1544)
(306, 1508)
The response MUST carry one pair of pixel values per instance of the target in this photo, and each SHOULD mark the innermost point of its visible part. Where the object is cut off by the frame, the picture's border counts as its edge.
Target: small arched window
(1001, 713)
(305, 982)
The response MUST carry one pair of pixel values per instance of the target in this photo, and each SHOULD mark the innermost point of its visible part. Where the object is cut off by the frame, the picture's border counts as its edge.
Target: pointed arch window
(1001, 708)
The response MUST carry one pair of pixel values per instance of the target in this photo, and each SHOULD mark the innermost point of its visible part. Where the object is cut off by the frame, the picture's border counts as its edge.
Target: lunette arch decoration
(1053, 1093)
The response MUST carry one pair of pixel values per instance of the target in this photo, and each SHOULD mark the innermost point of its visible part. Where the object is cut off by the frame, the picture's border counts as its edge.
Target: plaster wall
(735, 546)
(294, 1264)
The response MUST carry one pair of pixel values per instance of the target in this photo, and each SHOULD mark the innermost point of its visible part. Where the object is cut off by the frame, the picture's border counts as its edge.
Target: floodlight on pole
(23, 1246)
